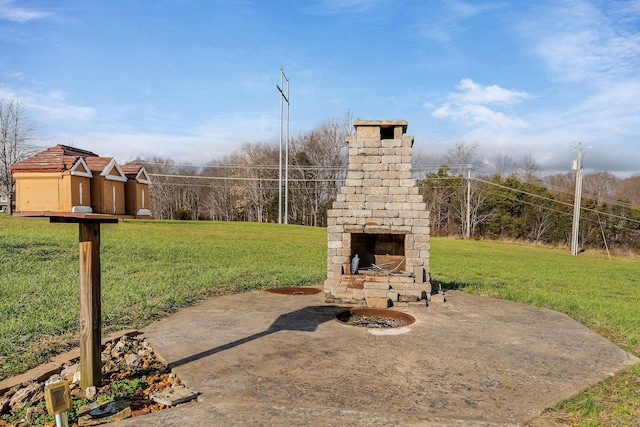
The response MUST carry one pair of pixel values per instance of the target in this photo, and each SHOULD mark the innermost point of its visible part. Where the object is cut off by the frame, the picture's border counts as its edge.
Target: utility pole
(467, 233)
(284, 95)
(577, 166)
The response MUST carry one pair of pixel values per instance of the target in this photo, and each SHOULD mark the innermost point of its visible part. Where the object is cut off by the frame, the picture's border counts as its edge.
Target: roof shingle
(55, 159)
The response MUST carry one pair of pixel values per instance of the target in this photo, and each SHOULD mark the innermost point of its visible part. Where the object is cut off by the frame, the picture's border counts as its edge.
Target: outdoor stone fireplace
(379, 215)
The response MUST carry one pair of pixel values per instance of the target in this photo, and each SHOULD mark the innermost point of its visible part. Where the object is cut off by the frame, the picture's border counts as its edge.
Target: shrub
(182, 214)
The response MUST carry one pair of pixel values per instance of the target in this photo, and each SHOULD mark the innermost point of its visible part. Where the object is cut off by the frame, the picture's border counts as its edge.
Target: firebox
(368, 246)
(379, 219)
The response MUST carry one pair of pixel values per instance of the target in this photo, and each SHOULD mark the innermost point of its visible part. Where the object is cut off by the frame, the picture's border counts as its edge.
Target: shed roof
(106, 167)
(55, 159)
(97, 164)
(137, 172)
(131, 169)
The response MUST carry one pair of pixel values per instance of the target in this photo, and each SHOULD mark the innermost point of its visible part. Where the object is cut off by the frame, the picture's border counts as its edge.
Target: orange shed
(107, 186)
(137, 190)
(56, 180)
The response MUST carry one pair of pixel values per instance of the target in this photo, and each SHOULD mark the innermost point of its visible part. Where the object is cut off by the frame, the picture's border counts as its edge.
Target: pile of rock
(375, 322)
(134, 382)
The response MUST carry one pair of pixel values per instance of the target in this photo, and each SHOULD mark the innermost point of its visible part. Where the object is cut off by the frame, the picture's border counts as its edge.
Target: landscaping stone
(91, 393)
(408, 298)
(132, 359)
(70, 371)
(378, 302)
(23, 396)
(173, 396)
(129, 360)
(106, 413)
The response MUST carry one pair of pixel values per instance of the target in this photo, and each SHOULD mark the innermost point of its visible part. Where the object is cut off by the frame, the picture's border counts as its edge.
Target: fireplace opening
(369, 246)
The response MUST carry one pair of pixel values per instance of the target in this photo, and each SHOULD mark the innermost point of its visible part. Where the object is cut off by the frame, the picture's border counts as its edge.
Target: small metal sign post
(58, 399)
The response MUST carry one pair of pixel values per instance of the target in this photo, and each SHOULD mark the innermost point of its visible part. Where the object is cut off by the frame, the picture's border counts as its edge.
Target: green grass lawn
(151, 268)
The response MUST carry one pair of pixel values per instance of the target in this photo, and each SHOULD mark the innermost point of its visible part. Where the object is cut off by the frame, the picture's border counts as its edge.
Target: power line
(239, 178)
(338, 182)
(556, 201)
(543, 207)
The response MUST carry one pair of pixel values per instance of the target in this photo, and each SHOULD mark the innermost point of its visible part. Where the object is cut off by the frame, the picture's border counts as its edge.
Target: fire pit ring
(374, 318)
(294, 290)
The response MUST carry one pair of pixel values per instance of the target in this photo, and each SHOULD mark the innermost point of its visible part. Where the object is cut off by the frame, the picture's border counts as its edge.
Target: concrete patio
(266, 359)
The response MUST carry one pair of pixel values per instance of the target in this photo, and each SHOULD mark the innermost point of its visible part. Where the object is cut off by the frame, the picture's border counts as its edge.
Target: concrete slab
(266, 359)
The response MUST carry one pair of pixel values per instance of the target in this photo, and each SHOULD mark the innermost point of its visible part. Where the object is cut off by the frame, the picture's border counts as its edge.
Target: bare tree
(503, 164)
(15, 137)
(253, 190)
(162, 191)
(560, 181)
(318, 169)
(461, 155)
(628, 189)
(528, 168)
(600, 184)
(219, 199)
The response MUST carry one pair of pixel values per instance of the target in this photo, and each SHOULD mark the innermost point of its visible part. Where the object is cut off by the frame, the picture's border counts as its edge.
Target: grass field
(150, 268)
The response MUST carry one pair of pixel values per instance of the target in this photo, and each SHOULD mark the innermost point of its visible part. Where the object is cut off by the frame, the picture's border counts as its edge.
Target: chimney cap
(381, 123)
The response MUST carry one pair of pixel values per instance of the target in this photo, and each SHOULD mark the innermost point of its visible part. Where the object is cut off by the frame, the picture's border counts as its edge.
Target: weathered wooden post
(90, 288)
(90, 307)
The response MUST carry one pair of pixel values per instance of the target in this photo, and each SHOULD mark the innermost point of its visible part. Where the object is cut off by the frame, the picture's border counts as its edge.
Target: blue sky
(193, 80)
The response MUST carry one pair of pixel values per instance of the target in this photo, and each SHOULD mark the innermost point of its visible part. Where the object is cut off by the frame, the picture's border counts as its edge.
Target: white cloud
(448, 22)
(470, 105)
(9, 12)
(479, 115)
(51, 106)
(198, 144)
(612, 111)
(593, 48)
(54, 106)
(474, 93)
(581, 42)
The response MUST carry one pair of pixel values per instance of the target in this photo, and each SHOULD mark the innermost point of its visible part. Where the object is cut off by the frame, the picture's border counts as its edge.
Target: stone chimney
(380, 216)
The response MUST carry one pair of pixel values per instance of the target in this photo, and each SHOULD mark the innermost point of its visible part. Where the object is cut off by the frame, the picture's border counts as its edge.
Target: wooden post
(90, 307)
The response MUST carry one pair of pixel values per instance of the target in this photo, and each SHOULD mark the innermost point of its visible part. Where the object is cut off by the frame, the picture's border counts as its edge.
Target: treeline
(534, 209)
(466, 195)
(506, 199)
(245, 185)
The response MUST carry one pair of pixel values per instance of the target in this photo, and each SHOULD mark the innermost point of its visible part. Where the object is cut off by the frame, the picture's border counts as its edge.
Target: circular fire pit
(374, 318)
(294, 290)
